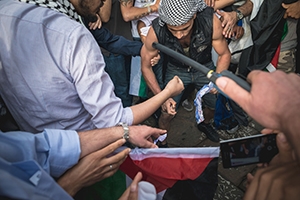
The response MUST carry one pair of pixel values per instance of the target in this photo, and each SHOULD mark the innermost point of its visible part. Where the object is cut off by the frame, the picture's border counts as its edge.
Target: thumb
(234, 91)
(219, 12)
(285, 150)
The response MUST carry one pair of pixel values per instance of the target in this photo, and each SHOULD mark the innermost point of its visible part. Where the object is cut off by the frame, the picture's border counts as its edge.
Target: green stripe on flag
(143, 88)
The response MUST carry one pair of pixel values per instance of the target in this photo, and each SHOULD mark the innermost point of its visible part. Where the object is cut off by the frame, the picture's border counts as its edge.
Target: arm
(115, 43)
(105, 11)
(130, 12)
(220, 45)
(147, 53)
(45, 148)
(283, 111)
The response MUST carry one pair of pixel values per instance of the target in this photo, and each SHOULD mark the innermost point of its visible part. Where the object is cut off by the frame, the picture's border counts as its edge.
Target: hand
(175, 86)
(93, 168)
(141, 135)
(131, 193)
(276, 108)
(229, 20)
(97, 24)
(155, 60)
(238, 32)
(292, 10)
(169, 107)
(266, 106)
(281, 177)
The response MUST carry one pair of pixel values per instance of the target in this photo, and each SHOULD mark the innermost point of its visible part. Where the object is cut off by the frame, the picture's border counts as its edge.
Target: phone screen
(258, 148)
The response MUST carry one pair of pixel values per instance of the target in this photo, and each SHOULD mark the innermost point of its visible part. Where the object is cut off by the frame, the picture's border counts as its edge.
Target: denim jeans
(191, 76)
(118, 68)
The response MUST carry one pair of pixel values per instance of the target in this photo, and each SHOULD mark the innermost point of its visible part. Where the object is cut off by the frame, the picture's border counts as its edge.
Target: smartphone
(259, 148)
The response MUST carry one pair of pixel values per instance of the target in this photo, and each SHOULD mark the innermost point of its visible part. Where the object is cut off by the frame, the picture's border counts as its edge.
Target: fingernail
(281, 137)
(221, 83)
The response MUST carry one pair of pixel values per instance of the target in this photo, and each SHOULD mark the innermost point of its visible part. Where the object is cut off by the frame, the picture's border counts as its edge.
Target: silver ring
(110, 166)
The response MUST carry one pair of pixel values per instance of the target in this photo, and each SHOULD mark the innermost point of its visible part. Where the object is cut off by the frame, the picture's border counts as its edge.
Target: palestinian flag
(164, 167)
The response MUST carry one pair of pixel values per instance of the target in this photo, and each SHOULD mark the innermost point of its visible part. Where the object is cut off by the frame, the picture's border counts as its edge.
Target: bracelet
(126, 131)
(149, 9)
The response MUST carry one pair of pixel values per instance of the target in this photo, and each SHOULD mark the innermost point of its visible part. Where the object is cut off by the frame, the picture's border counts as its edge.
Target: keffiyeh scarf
(62, 6)
(178, 12)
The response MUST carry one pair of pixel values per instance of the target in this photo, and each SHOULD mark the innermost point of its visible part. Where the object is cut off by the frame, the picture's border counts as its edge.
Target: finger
(249, 179)
(252, 188)
(252, 75)
(270, 176)
(284, 5)
(133, 195)
(285, 150)
(268, 131)
(235, 92)
(112, 147)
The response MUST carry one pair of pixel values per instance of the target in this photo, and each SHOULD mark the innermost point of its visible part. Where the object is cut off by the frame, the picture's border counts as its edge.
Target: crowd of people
(64, 77)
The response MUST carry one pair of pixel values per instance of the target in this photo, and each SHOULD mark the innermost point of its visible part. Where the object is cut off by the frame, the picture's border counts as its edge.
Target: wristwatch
(126, 131)
(126, 135)
(239, 14)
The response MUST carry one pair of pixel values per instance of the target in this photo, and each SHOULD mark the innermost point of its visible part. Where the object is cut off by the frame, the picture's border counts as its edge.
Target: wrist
(239, 15)
(71, 187)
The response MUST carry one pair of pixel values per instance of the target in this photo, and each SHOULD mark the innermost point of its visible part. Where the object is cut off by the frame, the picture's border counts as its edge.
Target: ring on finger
(110, 166)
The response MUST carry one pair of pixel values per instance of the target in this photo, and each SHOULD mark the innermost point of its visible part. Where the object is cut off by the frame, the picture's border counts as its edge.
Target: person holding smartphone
(273, 102)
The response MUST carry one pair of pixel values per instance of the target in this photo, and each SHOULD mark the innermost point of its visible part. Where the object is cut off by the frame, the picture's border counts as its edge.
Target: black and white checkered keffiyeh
(63, 6)
(178, 12)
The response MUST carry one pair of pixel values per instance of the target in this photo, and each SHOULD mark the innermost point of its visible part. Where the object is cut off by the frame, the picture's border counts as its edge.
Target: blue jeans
(118, 68)
(191, 76)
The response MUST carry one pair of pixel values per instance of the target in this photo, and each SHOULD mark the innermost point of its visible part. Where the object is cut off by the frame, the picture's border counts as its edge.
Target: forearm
(93, 140)
(129, 12)
(147, 71)
(105, 11)
(223, 62)
(144, 110)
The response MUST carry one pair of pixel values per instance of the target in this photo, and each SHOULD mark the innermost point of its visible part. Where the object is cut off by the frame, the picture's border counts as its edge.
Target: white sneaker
(187, 105)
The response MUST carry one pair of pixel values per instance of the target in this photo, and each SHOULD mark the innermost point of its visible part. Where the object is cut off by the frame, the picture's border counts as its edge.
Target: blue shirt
(27, 162)
(52, 72)
(115, 44)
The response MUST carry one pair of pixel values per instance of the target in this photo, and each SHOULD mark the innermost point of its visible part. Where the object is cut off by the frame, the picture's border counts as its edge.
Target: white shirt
(52, 72)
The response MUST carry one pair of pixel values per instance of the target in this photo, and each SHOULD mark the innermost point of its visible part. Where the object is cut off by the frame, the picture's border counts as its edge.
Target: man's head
(181, 31)
(88, 8)
(179, 12)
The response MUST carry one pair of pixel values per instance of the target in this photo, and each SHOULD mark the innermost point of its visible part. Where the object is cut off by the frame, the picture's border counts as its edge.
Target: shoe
(209, 131)
(233, 130)
(187, 105)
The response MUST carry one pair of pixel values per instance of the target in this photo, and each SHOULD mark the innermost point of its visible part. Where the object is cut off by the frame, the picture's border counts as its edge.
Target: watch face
(239, 15)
